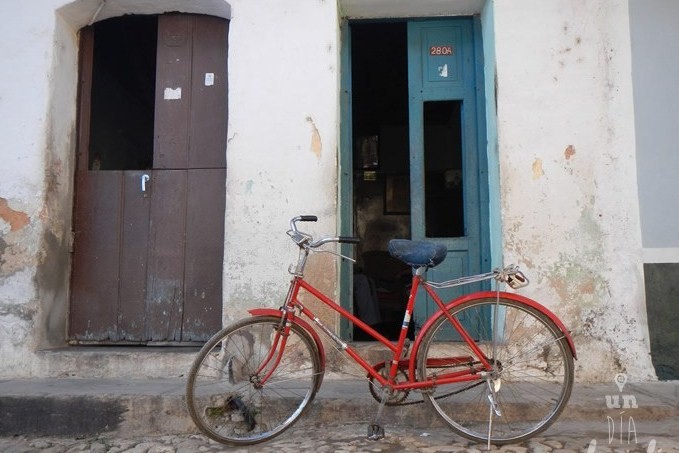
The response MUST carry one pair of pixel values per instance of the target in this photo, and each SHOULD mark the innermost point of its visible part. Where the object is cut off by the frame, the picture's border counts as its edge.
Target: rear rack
(510, 275)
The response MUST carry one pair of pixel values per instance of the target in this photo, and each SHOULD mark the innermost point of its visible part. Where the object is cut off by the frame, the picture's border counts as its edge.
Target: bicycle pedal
(375, 432)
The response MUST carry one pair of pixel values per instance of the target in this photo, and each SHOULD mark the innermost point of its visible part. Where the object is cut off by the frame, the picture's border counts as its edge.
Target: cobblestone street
(561, 438)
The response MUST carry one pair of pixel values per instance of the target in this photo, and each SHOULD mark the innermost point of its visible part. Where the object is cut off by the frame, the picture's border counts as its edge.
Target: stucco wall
(568, 173)
(35, 180)
(282, 142)
(565, 151)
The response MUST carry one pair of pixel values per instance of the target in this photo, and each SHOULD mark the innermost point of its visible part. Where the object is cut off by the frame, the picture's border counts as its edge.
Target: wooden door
(446, 170)
(150, 180)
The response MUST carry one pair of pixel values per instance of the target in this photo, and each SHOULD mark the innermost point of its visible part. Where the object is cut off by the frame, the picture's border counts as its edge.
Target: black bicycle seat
(417, 253)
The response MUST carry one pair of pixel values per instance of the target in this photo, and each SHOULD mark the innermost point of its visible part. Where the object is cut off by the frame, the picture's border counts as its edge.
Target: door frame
(486, 178)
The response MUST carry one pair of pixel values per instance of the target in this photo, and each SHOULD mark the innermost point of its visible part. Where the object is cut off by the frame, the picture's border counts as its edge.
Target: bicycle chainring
(397, 397)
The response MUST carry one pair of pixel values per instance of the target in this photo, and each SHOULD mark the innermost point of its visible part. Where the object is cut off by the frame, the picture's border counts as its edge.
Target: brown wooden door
(150, 180)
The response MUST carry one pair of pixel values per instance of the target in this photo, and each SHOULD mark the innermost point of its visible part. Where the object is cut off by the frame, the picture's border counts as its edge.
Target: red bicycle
(497, 367)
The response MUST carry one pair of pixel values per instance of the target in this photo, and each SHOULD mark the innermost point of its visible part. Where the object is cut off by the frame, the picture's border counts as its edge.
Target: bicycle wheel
(225, 394)
(532, 377)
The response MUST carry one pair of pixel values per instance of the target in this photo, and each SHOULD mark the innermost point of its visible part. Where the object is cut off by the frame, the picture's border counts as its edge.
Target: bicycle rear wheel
(532, 377)
(225, 394)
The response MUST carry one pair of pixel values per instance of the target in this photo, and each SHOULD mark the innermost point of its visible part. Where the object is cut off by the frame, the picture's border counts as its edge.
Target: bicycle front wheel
(245, 388)
(532, 374)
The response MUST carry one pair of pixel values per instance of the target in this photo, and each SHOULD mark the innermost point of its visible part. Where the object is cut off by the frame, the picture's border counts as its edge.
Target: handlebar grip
(349, 240)
(308, 218)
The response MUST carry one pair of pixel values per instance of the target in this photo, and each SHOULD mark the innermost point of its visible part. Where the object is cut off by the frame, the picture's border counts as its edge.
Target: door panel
(93, 313)
(444, 172)
(191, 92)
(133, 256)
(173, 82)
(208, 95)
(204, 253)
(165, 283)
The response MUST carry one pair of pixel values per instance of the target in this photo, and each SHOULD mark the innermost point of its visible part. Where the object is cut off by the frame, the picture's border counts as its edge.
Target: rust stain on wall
(316, 145)
(569, 152)
(16, 219)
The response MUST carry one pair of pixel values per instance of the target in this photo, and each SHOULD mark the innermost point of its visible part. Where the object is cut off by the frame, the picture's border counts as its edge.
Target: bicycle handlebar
(303, 239)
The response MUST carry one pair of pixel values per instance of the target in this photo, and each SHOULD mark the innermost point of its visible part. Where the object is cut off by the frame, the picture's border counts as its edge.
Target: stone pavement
(148, 416)
(563, 437)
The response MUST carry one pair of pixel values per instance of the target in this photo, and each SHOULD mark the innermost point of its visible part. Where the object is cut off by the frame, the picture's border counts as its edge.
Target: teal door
(448, 187)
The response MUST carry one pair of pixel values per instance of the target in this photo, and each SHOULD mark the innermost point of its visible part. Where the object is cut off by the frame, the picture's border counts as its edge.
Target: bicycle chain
(471, 386)
(408, 403)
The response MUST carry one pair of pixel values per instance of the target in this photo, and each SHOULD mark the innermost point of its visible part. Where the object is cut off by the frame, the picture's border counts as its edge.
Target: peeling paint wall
(282, 144)
(561, 148)
(568, 174)
(30, 175)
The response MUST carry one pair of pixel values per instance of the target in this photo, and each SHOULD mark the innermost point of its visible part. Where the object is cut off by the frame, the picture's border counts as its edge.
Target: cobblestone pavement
(564, 438)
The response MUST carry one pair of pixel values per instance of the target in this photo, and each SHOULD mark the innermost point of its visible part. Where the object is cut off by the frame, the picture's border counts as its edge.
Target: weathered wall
(568, 173)
(282, 143)
(35, 180)
(566, 158)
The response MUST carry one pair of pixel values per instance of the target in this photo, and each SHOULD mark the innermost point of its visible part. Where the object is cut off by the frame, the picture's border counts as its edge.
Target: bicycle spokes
(524, 388)
(244, 387)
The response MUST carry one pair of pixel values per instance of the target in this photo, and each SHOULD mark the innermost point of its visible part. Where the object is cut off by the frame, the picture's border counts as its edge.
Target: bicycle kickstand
(375, 430)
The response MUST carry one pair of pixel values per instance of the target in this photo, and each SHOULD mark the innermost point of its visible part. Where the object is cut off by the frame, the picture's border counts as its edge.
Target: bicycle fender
(302, 323)
(505, 295)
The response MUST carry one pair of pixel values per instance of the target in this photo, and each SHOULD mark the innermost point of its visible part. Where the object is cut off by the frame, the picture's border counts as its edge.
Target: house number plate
(440, 50)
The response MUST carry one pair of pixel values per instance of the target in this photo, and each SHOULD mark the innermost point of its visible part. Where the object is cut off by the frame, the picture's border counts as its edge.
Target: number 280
(440, 50)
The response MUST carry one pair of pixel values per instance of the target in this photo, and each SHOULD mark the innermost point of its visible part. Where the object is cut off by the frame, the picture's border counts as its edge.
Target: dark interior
(381, 164)
(123, 93)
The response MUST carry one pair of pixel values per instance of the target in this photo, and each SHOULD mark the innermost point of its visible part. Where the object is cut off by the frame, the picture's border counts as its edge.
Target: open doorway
(418, 170)
(380, 172)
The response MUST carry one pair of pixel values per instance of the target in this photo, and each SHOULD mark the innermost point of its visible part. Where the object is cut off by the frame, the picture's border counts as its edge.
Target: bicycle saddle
(417, 253)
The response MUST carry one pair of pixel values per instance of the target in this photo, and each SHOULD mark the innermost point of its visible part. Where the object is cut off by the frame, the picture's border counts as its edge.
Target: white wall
(568, 168)
(33, 177)
(282, 142)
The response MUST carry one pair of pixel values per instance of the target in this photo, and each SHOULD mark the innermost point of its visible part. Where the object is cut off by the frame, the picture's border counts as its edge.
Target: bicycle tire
(222, 392)
(534, 375)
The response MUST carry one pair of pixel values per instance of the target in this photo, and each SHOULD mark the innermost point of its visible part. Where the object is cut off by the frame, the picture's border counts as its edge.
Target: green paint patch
(577, 281)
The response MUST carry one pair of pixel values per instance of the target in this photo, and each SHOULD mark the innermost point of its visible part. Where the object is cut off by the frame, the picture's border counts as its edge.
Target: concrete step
(136, 407)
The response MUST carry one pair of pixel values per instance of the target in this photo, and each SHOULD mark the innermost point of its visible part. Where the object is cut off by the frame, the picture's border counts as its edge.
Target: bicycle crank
(397, 397)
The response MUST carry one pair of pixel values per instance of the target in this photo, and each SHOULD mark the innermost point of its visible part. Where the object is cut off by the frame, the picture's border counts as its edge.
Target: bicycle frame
(292, 304)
